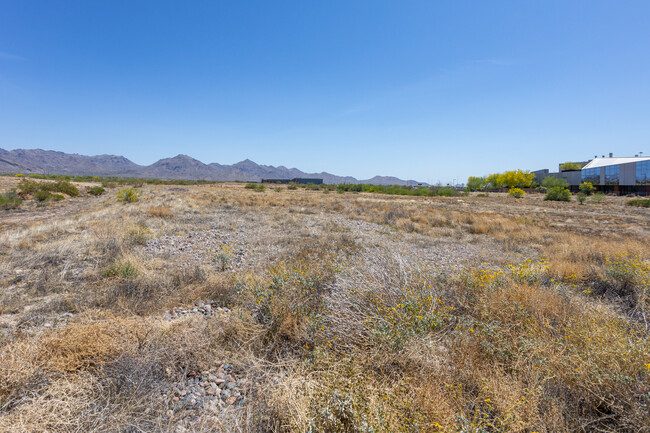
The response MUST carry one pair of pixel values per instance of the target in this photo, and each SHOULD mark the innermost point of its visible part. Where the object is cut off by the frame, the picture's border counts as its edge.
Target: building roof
(604, 162)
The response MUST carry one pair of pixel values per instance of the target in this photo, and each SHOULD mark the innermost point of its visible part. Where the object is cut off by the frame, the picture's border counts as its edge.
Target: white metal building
(627, 171)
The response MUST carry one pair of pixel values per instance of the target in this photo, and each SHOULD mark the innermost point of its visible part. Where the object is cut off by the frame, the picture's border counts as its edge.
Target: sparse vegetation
(598, 197)
(257, 187)
(639, 202)
(329, 312)
(10, 200)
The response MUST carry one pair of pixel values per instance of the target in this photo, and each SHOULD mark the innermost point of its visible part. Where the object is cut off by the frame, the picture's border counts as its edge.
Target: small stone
(226, 394)
(231, 385)
(231, 400)
(183, 393)
(170, 413)
(175, 399)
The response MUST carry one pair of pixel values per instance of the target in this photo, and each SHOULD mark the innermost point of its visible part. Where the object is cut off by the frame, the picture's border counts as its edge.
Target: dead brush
(86, 346)
(160, 212)
(544, 342)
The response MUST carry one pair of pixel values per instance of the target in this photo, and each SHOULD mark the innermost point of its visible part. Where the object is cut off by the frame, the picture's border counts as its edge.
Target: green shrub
(586, 188)
(42, 196)
(552, 182)
(28, 187)
(138, 235)
(639, 202)
(599, 197)
(277, 189)
(62, 186)
(483, 194)
(292, 186)
(582, 197)
(109, 184)
(10, 200)
(127, 195)
(516, 192)
(31, 187)
(123, 269)
(558, 193)
(257, 187)
(96, 191)
(19, 175)
(57, 197)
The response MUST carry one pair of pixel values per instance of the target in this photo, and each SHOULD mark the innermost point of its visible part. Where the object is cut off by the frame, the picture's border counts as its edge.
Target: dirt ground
(214, 308)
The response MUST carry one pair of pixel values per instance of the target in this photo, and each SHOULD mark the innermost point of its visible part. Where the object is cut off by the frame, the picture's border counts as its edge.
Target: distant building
(620, 175)
(301, 180)
(615, 174)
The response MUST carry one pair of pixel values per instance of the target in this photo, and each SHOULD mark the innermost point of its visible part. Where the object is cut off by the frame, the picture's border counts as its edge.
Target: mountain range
(38, 161)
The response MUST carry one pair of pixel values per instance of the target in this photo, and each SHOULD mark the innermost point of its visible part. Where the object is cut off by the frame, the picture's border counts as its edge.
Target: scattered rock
(204, 395)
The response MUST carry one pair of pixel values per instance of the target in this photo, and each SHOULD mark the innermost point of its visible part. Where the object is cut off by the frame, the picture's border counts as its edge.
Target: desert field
(218, 308)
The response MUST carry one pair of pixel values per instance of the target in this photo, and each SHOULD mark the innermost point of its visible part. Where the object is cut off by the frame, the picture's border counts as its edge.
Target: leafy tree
(493, 180)
(476, 183)
(516, 179)
(551, 182)
(567, 166)
(510, 179)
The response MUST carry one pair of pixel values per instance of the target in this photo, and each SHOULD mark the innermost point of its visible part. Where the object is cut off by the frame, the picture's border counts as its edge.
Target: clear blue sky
(431, 90)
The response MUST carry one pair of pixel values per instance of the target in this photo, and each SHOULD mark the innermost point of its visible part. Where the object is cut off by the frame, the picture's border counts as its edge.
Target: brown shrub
(160, 212)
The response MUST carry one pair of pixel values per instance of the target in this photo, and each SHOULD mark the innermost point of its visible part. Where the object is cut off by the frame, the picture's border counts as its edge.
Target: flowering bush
(127, 195)
(516, 192)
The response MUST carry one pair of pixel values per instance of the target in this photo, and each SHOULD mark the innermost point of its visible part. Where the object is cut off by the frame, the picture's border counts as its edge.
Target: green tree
(476, 183)
(551, 182)
(493, 181)
(567, 166)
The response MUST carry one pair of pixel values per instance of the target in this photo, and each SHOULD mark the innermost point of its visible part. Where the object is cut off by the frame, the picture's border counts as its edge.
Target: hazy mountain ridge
(38, 161)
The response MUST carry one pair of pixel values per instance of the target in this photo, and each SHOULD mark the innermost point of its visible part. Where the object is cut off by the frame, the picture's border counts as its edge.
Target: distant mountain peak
(181, 166)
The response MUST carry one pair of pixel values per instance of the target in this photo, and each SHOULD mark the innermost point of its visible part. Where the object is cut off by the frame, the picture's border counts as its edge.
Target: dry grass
(350, 312)
(160, 212)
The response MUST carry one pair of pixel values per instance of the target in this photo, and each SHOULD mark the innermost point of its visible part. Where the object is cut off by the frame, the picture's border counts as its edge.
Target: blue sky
(430, 90)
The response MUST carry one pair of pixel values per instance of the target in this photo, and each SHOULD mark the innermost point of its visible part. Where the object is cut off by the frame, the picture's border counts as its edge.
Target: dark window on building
(643, 173)
(591, 175)
(612, 174)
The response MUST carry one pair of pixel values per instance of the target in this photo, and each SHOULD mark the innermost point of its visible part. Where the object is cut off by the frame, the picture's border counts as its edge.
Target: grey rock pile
(205, 397)
(206, 309)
